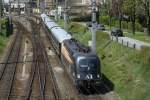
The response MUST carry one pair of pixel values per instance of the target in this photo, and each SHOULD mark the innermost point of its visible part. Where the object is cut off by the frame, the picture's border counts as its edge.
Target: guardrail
(132, 43)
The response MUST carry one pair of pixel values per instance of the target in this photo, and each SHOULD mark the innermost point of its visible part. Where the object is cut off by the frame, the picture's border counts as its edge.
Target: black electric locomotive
(83, 66)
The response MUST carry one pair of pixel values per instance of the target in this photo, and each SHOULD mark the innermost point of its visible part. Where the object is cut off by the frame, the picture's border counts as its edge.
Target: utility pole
(56, 10)
(94, 26)
(66, 16)
(0, 14)
(38, 4)
(9, 12)
(53, 5)
(98, 16)
(19, 7)
(31, 1)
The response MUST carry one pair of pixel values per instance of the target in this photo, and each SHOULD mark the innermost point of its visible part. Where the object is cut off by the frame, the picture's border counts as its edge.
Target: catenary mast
(93, 47)
(66, 16)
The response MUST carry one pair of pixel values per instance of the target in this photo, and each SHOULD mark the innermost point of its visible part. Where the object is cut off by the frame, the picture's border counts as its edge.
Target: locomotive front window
(92, 63)
(83, 63)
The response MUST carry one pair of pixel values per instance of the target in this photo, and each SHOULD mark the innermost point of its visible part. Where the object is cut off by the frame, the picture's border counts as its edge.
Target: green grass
(129, 71)
(127, 68)
(3, 43)
(3, 26)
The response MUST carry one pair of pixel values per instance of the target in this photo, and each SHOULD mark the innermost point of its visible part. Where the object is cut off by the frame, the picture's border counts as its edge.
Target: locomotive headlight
(91, 76)
(98, 76)
(78, 76)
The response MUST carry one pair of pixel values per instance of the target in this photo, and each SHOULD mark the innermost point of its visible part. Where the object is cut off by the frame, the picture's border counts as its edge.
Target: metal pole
(18, 7)
(25, 8)
(30, 7)
(93, 26)
(38, 4)
(66, 16)
(9, 12)
(31, 1)
(9, 7)
(0, 14)
(56, 12)
(52, 5)
(2, 7)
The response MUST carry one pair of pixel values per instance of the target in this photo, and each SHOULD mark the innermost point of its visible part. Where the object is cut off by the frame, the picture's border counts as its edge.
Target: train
(82, 66)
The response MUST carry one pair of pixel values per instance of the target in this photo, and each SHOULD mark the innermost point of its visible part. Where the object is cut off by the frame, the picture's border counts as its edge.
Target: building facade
(81, 7)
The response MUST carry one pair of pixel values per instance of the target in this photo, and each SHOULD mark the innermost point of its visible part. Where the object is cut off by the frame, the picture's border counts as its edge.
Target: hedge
(7, 28)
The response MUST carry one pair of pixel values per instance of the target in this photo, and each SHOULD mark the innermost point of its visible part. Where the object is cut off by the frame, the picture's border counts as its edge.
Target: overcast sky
(6, 1)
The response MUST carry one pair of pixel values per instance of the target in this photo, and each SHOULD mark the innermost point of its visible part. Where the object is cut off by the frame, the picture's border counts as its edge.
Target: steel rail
(46, 59)
(53, 79)
(7, 59)
(37, 51)
(14, 72)
(40, 60)
(42, 79)
(34, 68)
(10, 70)
(34, 64)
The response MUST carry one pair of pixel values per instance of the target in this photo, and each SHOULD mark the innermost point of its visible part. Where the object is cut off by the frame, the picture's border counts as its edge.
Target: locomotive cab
(87, 70)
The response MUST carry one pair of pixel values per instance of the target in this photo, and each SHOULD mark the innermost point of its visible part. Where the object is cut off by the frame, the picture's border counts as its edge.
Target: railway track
(42, 83)
(8, 69)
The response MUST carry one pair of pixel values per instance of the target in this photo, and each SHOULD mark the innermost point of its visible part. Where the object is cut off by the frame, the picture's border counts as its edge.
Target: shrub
(75, 27)
(7, 28)
(138, 26)
(82, 18)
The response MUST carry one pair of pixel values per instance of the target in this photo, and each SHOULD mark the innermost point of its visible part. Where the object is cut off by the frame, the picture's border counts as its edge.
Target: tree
(98, 12)
(110, 11)
(109, 7)
(116, 10)
(144, 7)
(129, 8)
(119, 6)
